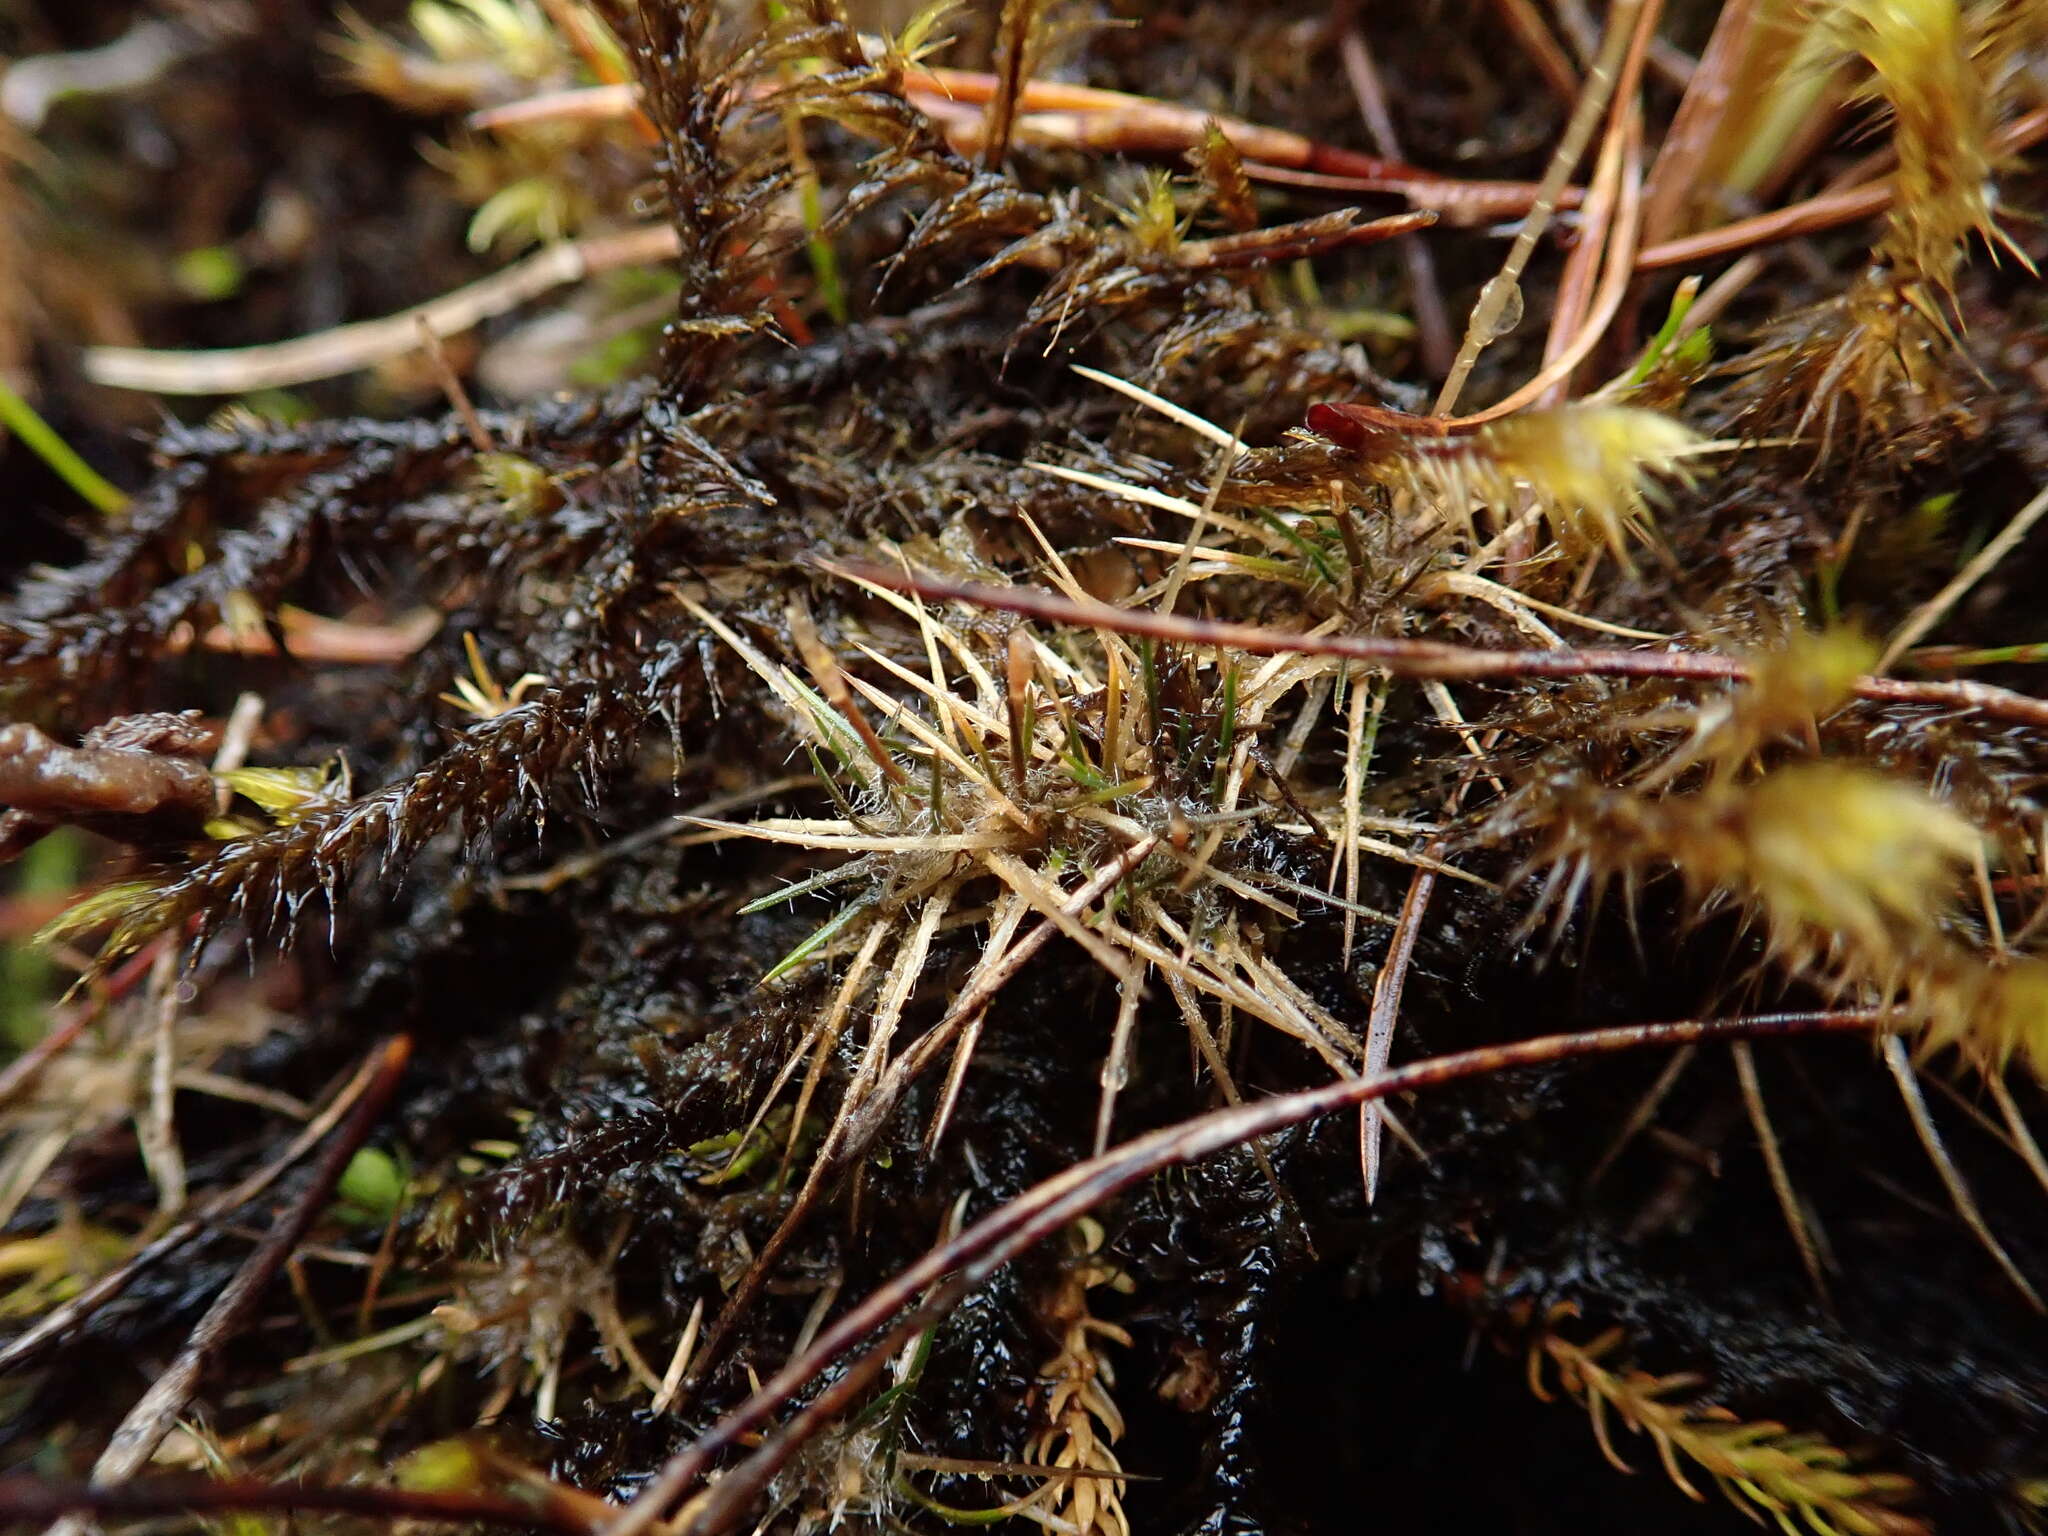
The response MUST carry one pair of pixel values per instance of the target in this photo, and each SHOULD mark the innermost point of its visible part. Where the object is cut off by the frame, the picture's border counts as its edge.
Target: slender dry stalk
(158, 1410)
(1435, 659)
(1499, 306)
(932, 1286)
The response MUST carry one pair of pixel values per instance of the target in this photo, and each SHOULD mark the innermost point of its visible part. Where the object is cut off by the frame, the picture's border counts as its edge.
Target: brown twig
(1431, 658)
(1699, 117)
(1144, 124)
(62, 1319)
(1085, 117)
(365, 343)
(1432, 321)
(923, 1293)
(1996, 703)
(154, 1416)
(1827, 211)
(1815, 215)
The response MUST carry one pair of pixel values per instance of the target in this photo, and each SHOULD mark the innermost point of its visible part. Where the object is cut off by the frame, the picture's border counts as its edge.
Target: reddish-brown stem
(1699, 116)
(154, 1415)
(1430, 658)
(1828, 211)
(1817, 214)
(29, 1501)
(1114, 121)
(928, 1289)
(1460, 202)
(1405, 658)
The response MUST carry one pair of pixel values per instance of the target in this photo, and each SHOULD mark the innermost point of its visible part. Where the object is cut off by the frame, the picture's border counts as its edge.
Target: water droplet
(1502, 297)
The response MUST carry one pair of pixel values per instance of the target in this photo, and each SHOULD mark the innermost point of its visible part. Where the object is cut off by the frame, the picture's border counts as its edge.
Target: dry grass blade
(154, 1416)
(1386, 1012)
(1001, 963)
(1789, 1204)
(1982, 564)
(1499, 306)
(365, 343)
(1898, 1060)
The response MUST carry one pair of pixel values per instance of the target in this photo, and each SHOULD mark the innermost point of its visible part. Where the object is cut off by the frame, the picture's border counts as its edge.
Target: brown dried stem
(1433, 658)
(931, 1287)
(62, 1319)
(154, 1416)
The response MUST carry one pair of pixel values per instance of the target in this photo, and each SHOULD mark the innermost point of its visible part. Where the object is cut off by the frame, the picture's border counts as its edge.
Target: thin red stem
(928, 1289)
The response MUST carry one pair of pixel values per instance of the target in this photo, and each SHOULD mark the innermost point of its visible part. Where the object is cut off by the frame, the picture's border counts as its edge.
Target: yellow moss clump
(1591, 467)
(1805, 679)
(1995, 1012)
(1864, 858)
(1924, 72)
(1802, 1482)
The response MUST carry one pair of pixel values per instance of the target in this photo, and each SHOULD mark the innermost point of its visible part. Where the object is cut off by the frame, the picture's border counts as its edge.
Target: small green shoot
(788, 893)
(372, 1188)
(1226, 731)
(1673, 342)
(816, 943)
(210, 274)
(51, 867)
(36, 435)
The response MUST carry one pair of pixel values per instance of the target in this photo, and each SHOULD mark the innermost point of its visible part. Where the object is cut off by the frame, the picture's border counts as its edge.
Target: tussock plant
(735, 864)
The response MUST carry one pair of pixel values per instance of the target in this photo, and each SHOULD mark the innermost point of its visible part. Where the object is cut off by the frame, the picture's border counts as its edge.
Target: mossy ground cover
(791, 706)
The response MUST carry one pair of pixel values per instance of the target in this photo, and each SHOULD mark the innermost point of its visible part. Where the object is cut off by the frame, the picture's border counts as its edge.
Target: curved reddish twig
(931, 1287)
(1432, 658)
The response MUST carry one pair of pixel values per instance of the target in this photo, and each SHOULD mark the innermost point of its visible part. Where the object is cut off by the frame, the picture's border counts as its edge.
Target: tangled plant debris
(834, 805)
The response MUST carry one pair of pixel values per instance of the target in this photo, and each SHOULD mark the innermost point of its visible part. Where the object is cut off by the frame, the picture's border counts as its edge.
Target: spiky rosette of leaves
(1590, 468)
